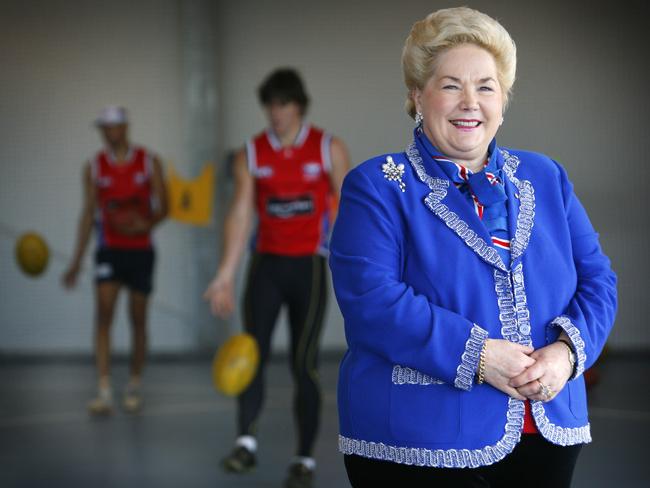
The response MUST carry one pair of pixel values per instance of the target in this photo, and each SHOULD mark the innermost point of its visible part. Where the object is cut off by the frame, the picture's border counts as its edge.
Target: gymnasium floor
(47, 440)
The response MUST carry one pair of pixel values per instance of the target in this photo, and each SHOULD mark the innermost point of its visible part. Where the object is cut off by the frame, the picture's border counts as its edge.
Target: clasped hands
(525, 373)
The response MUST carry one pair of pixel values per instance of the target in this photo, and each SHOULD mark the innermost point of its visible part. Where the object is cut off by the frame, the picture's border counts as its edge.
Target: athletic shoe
(240, 460)
(132, 401)
(102, 404)
(300, 476)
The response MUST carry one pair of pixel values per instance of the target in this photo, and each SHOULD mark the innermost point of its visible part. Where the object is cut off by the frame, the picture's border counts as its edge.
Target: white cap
(112, 115)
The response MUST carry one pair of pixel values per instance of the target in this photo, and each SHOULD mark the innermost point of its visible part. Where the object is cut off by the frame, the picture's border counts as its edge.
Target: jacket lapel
(513, 203)
(456, 203)
(521, 206)
(447, 203)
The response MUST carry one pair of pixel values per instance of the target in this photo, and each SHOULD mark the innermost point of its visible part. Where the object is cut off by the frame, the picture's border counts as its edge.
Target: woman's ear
(416, 95)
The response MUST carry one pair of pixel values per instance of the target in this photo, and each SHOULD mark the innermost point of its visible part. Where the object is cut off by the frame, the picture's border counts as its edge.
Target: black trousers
(534, 463)
(300, 284)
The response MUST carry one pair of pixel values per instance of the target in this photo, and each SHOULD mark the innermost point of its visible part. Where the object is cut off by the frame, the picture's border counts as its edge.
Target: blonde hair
(447, 28)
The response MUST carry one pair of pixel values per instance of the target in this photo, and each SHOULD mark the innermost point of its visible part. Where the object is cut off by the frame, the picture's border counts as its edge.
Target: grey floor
(46, 438)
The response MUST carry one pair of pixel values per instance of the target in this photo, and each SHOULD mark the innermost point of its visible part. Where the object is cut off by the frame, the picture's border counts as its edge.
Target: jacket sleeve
(589, 316)
(383, 314)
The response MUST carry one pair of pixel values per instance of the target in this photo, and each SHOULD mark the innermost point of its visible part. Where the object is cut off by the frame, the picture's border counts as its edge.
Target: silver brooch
(394, 172)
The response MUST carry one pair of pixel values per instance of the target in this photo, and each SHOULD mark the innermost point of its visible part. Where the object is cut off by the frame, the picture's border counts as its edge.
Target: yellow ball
(235, 364)
(32, 253)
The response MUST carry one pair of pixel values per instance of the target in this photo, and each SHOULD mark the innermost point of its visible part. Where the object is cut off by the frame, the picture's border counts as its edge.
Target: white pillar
(200, 86)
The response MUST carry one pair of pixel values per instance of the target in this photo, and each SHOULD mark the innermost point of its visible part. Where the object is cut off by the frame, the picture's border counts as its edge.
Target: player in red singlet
(289, 175)
(124, 196)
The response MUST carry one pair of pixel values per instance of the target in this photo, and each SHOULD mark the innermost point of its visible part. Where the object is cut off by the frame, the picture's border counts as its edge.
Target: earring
(418, 118)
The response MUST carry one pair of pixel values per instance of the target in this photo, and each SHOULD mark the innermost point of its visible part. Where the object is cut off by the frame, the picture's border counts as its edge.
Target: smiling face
(462, 104)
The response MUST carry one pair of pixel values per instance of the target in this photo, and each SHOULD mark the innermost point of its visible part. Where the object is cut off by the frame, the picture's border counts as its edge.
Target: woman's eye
(486, 88)
(450, 87)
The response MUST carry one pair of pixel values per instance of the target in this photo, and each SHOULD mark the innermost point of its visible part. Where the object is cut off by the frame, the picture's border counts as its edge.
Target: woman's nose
(469, 100)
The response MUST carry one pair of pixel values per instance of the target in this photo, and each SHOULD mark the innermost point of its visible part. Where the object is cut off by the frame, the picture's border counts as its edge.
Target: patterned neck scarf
(483, 190)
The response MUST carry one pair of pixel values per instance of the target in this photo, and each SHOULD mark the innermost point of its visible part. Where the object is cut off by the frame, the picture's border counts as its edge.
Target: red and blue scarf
(484, 190)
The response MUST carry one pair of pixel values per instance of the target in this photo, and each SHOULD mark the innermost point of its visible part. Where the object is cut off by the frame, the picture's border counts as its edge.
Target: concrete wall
(579, 97)
(61, 62)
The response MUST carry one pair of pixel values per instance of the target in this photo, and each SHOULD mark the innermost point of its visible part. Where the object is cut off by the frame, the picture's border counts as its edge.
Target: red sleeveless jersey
(123, 190)
(292, 192)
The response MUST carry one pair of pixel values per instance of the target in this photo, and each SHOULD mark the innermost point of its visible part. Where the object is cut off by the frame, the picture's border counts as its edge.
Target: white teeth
(463, 123)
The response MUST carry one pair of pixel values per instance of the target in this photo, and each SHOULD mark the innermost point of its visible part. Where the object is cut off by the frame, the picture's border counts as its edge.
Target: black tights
(300, 283)
(534, 463)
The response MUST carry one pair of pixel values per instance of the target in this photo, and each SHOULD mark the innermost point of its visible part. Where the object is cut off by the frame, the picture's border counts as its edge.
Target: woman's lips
(465, 124)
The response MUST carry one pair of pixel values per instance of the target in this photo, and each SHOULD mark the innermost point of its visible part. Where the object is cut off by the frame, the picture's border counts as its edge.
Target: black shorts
(131, 267)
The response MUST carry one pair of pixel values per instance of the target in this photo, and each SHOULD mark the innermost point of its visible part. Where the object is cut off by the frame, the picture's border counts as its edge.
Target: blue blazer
(421, 286)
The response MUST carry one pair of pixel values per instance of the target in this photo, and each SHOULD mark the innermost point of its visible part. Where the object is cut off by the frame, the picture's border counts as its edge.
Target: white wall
(579, 97)
(61, 62)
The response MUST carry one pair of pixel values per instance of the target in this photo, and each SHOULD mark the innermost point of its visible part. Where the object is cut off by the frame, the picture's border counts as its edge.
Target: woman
(288, 176)
(472, 284)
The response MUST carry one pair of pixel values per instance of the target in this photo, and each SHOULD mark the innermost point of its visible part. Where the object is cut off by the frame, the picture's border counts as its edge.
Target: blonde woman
(472, 284)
